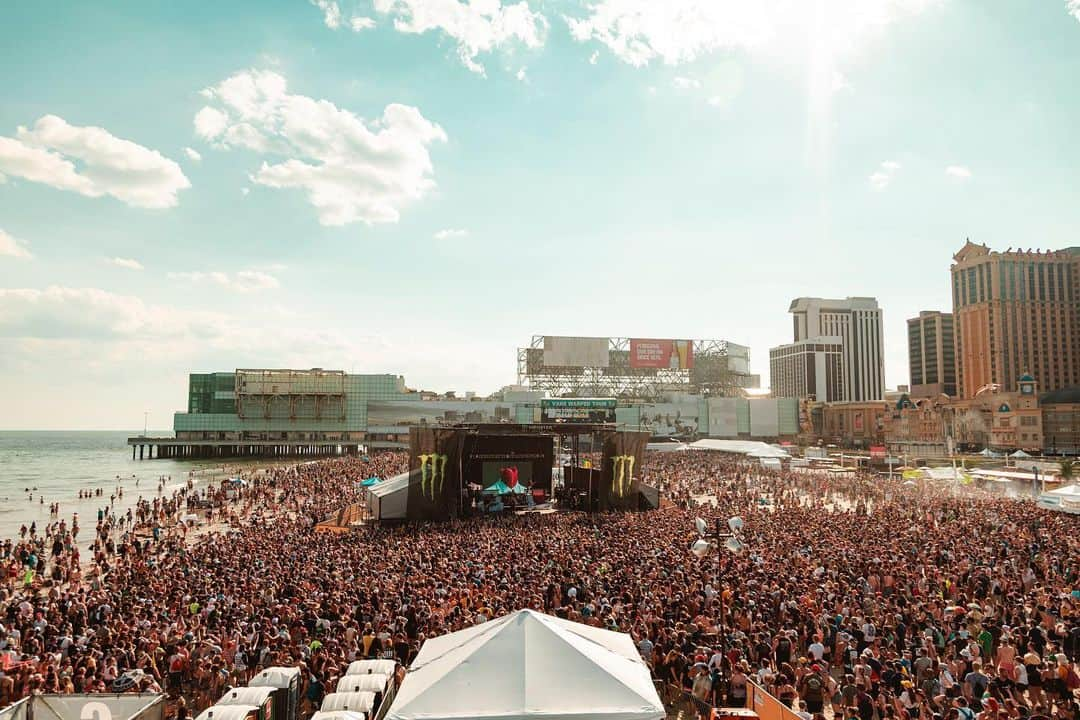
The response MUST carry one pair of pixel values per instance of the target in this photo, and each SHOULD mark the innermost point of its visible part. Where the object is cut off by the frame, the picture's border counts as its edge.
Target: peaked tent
(528, 665)
(389, 500)
(1019, 454)
(1065, 499)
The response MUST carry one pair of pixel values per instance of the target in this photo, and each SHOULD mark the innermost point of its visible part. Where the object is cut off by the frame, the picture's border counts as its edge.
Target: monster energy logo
(432, 475)
(622, 474)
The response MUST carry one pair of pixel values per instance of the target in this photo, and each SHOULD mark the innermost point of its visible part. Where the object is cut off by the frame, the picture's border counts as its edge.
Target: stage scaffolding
(721, 369)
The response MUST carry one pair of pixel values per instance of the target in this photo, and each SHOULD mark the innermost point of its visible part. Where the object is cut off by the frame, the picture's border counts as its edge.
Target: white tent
(750, 448)
(1065, 499)
(528, 665)
(1019, 454)
(388, 500)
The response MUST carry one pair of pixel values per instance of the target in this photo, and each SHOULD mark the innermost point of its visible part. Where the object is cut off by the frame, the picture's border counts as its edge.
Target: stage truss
(712, 373)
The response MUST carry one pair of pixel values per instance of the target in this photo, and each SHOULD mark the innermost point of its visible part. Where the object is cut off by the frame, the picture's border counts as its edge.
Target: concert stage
(465, 470)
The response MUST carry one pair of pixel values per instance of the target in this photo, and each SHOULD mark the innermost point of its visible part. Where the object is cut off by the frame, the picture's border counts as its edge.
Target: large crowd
(854, 596)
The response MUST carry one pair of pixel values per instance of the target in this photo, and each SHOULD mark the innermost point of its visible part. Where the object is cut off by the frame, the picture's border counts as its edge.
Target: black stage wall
(434, 453)
(623, 460)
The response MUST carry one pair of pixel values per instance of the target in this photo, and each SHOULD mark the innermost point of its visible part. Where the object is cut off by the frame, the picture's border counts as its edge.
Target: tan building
(1061, 421)
(1016, 313)
(855, 424)
(1001, 421)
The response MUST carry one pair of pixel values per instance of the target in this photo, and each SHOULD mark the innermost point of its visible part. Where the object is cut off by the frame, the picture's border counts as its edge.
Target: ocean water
(56, 465)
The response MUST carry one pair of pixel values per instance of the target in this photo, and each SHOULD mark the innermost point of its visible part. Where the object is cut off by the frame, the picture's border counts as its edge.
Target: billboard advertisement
(672, 354)
(587, 410)
(575, 351)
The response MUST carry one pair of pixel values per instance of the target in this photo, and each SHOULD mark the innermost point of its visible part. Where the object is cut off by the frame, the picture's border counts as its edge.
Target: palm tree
(1067, 470)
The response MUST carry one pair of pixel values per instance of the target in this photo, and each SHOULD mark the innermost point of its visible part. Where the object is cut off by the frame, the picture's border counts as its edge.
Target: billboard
(672, 354)
(592, 410)
(575, 351)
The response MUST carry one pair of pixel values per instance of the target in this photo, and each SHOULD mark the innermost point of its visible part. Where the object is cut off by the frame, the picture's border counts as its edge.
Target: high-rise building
(856, 321)
(808, 369)
(1016, 313)
(931, 354)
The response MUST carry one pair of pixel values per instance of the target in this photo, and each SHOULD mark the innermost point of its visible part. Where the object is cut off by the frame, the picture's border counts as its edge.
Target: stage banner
(128, 706)
(623, 460)
(435, 468)
(671, 354)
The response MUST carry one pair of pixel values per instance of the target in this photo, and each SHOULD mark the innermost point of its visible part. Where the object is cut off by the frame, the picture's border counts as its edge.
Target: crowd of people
(854, 596)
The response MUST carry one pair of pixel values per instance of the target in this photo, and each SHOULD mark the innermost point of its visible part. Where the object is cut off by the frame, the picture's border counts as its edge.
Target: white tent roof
(528, 665)
(389, 499)
(667, 446)
(750, 448)
(1020, 454)
(1066, 499)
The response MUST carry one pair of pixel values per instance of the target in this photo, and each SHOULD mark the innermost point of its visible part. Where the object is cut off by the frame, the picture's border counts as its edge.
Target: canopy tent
(528, 665)
(1065, 499)
(750, 448)
(500, 488)
(370, 481)
(1019, 454)
(364, 667)
(388, 500)
(987, 452)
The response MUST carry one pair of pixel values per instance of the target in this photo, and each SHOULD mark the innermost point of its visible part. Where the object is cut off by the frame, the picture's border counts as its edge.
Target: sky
(418, 187)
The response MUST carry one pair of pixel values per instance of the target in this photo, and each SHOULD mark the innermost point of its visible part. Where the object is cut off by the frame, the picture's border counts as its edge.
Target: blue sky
(204, 186)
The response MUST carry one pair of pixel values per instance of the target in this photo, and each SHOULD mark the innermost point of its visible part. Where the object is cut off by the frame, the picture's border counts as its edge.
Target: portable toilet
(230, 712)
(354, 701)
(366, 667)
(286, 683)
(260, 697)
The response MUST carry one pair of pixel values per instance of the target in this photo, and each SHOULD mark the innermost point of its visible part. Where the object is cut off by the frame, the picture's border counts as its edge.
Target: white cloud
(243, 281)
(359, 22)
(92, 162)
(126, 263)
(245, 190)
(11, 246)
(520, 74)
(678, 31)
(958, 171)
(685, 83)
(331, 12)
(351, 169)
(192, 154)
(594, 57)
(450, 233)
(478, 26)
(881, 178)
(1073, 6)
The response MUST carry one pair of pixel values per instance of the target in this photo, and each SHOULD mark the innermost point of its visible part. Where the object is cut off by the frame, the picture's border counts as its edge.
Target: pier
(148, 448)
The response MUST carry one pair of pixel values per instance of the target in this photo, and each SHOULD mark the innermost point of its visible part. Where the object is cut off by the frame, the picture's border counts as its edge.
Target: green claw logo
(432, 475)
(622, 474)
